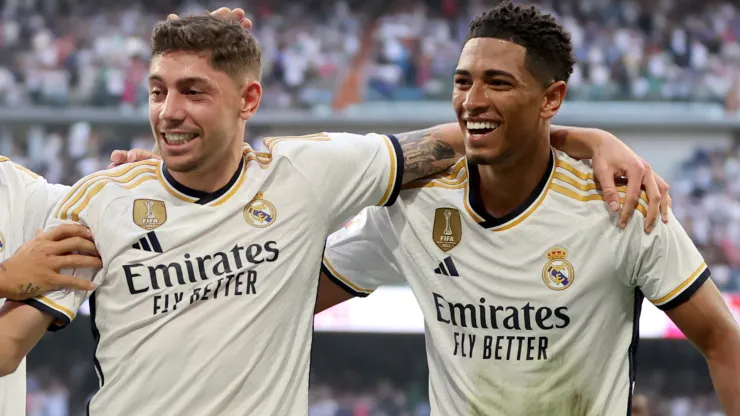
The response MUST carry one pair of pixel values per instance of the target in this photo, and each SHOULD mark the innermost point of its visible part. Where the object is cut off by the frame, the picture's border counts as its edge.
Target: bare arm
(431, 150)
(330, 294)
(21, 328)
(708, 324)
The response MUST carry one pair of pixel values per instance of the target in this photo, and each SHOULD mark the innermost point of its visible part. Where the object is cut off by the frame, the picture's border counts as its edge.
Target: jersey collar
(483, 218)
(199, 197)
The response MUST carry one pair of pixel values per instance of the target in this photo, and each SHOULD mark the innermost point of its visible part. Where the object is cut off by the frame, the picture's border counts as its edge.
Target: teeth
(179, 138)
(480, 125)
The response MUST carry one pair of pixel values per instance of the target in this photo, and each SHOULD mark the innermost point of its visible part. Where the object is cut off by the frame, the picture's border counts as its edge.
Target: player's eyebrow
(487, 73)
(181, 82)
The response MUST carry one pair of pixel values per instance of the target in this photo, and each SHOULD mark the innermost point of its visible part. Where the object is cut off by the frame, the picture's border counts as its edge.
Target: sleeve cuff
(61, 319)
(684, 293)
(396, 183)
(348, 287)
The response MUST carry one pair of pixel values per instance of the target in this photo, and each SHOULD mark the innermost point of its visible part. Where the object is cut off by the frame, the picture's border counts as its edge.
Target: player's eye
(155, 92)
(461, 82)
(192, 92)
(500, 83)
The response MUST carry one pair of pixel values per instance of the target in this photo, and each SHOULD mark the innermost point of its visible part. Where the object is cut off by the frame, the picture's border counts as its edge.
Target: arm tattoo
(424, 153)
(29, 290)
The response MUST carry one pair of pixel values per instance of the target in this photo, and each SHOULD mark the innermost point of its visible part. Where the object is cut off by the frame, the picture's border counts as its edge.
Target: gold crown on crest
(557, 253)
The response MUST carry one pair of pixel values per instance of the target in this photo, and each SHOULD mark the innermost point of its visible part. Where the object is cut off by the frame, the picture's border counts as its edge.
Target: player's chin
(484, 156)
(181, 163)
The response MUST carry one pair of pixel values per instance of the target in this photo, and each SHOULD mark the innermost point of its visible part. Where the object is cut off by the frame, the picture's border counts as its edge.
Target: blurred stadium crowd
(65, 53)
(89, 52)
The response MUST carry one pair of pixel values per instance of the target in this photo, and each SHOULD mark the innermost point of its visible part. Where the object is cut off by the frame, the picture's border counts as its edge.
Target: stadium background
(662, 75)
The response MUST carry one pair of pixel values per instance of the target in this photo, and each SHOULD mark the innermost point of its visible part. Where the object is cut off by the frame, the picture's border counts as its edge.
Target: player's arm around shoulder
(672, 274)
(33, 270)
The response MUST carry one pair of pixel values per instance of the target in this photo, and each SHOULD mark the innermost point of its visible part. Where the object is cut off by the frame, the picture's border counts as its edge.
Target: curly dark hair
(232, 48)
(549, 55)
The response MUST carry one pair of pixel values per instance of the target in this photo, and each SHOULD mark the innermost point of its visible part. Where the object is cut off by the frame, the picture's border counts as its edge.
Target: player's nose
(476, 101)
(172, 109)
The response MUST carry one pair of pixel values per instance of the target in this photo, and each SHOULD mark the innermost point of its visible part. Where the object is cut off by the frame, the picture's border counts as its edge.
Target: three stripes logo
(149, 243)
(447, 267)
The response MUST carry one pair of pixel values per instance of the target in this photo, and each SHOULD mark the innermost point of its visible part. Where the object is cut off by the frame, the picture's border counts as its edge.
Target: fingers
(605, 176)
(61, 281)
(632, 195)
(237, 15)
(654, 199)
(118, 156)
(75, 244)
(610, 191)
(77, 261)
(67, 231)
(666, 202)
(137, 155)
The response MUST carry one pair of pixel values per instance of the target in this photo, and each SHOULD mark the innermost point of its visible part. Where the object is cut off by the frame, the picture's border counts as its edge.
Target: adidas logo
(149, 243)
(447, 268)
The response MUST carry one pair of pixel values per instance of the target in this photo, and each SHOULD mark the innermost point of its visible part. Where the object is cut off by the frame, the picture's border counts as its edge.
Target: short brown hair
(232, 48)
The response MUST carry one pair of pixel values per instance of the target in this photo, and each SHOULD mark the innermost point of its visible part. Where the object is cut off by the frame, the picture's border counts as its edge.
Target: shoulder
(105, 185)
(316, 144)
(574, 181)
(11, 170)
(454, 177)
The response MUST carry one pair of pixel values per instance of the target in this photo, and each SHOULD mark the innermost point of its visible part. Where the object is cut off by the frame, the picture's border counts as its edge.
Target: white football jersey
(535, 313)
(26, 200)
(205, 302)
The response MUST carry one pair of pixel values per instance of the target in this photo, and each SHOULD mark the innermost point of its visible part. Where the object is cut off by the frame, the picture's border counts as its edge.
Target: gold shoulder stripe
(143, 176)
(592, 186)
(270, 142)
(591, 197)
(264, 155)
(27, 171)
(4, 159)
(83, 185)
(123, 176)
(262, 162)
(450, 178)
(418, 185)
(577, 173)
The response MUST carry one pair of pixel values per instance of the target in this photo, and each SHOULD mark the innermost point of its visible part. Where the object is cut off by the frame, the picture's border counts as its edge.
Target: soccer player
(30, 266)
(204, 301)
(531, 297)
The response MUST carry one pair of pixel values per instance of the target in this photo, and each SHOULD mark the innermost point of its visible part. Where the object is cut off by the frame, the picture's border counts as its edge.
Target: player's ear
(553, 99)
(251, 95)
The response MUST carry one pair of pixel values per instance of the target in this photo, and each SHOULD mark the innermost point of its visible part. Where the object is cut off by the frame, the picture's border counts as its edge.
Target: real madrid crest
(260, 212)
(447, 230)
(2, 242)
(149, 213)
(558, 273)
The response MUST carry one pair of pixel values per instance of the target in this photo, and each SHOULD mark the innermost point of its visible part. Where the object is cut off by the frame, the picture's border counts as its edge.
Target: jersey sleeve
(41, 198)
(667, 266)
(358, 258)
(78, 206)
(348, 172)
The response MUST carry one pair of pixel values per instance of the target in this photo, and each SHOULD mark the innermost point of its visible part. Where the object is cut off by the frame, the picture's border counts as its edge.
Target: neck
(506, 186)
(210, 178)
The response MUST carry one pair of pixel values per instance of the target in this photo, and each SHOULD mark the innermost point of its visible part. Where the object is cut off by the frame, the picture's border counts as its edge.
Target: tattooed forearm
(427, 151)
